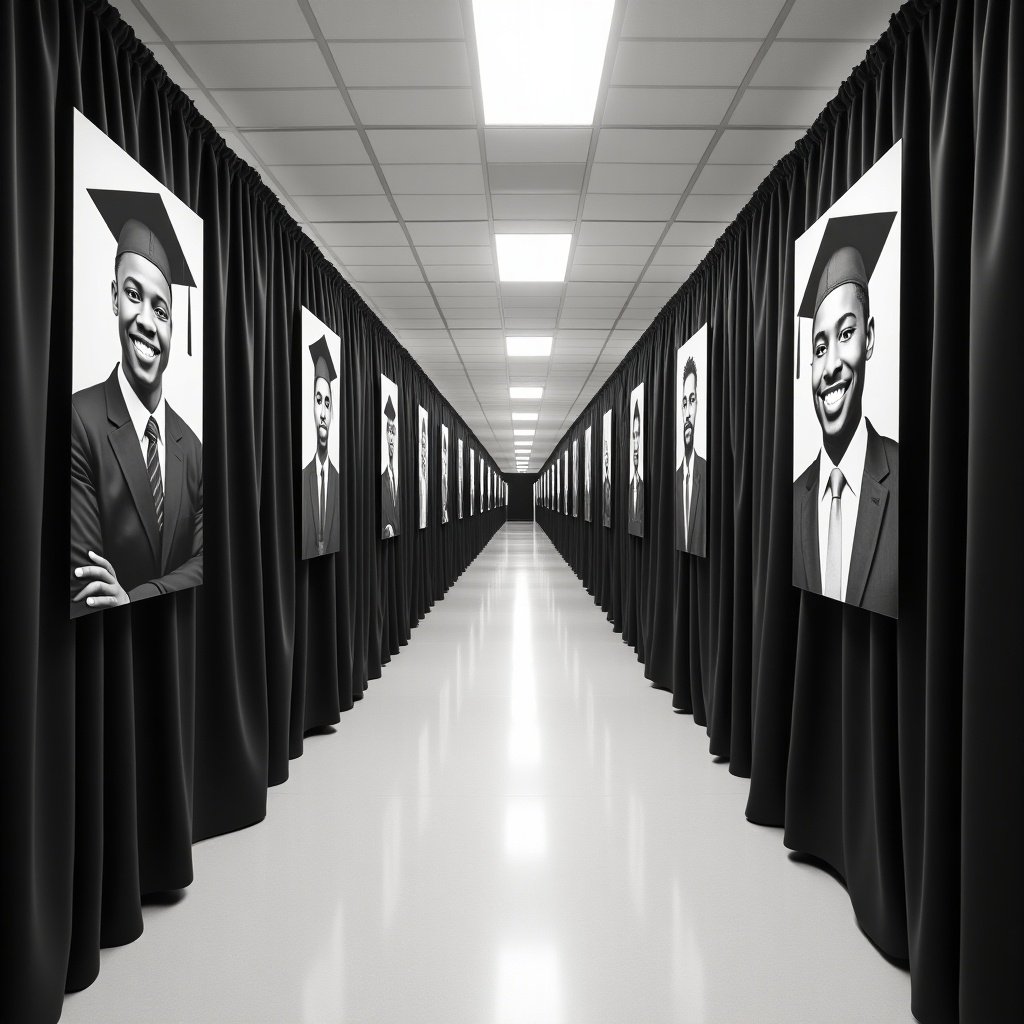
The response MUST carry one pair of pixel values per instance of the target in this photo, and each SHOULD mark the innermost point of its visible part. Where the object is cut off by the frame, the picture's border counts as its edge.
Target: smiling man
(389, 478)
(321, 525)
(636, 481)
(846, 503)
(136, 466)
(690, 476)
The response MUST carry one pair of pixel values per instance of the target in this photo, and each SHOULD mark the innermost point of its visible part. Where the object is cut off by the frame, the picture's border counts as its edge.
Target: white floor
(514, 828)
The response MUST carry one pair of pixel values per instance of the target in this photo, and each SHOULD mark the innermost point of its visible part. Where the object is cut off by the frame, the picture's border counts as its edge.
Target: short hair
(862, 293)
(690, 367)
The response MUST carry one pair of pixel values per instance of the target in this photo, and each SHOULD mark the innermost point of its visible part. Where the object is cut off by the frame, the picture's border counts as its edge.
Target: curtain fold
(130, 734)
(888, 750)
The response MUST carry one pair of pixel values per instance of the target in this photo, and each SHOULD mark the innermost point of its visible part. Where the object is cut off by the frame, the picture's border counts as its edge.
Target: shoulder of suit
(90, 400)
(889, 446)
(807, 477)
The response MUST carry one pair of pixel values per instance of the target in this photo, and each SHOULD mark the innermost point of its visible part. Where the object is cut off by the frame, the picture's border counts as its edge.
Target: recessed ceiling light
(532, 257)
(525, 392)
(537, 347)
(523, 432)
(541, 60)
(532, 416)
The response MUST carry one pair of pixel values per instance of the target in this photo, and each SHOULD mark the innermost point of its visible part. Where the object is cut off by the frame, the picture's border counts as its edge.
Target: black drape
(890, 750)
(129, 734)
(520, 496)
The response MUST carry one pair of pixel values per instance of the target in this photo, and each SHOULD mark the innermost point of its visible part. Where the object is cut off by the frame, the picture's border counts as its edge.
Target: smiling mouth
(144, 349)
(832, 397)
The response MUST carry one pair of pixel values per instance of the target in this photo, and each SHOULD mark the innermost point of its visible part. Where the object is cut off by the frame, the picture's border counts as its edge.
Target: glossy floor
(512, 827)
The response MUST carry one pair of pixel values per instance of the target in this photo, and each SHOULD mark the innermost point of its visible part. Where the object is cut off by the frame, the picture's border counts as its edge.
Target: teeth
(833, 397)
(144, 349)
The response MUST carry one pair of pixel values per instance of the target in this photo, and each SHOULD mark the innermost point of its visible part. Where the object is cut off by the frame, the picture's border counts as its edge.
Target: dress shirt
(687, 468)
(139, 415)
(321, 490)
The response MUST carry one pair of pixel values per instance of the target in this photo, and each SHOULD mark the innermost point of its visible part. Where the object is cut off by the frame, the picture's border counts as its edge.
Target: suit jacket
(388, 506)
(873, 581)
(696, 514)
(112, 511)
(606, 507)
(636, 519)
(311, 510)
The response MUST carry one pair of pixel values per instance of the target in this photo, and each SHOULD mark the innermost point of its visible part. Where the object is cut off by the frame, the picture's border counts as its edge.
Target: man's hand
(103, 591)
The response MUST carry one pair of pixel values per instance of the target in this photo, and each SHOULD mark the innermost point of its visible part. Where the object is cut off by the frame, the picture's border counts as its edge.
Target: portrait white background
(446, 458)
(879, 190)
(388, 388)
(697, 348)
(423, 481)
(636, 396)
(312, 330)
(576, 477)
(96, 348)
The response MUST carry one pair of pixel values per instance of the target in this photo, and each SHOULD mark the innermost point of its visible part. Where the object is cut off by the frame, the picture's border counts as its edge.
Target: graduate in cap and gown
(389, 519)
(846, 502)
(321, 524)
(136, 466)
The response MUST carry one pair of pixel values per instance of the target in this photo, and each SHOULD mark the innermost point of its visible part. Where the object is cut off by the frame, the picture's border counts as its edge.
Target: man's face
(688, 405)
(842, 345)
(322, 411)
(636, 443)
(392, 434)
(141, 298)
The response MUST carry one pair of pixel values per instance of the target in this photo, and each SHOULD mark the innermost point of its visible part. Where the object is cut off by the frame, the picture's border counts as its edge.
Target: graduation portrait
(846, 395)
(588, 475)
(635, 506)
(472, 482)
(459, 476)
(318, 426)
(390, 495)
(576, 477)
(422, 465)
(606, 468)
(444, 474)
(136, 489)
(691, 444)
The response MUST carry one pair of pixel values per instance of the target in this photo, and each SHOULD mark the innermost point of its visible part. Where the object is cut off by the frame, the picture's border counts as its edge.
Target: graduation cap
(140, 223)
(323, 364)
(389, 409)
(848, 254)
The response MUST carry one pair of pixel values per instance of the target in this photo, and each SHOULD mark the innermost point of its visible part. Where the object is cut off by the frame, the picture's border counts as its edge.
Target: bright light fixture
(538, 347)
(541, 60)
(525, 392)
(523, 432)
(532, 416)
(532, 257)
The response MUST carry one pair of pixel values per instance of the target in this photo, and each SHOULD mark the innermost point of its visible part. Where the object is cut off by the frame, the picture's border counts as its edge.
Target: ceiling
(366, 118)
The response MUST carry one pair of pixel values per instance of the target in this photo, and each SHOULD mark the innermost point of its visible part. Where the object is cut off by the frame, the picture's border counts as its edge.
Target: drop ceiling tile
(637, 179)
(369, 274)
(528, 289)
(329, 179)
(449, 255)
(754, 145)
(442, 272)
(597, 272)
(434, 179)
(535, 207)
(598, 232)
(629, 208)
(396, 19)
(170, 63)
(425, 146)
(307, 147)
(384, 255)
(585, 289)
(454, 302)
(386, 291)
(526, 320)
(672, 275)
(410, 302)
(624, 254)
(257, 65)
(866, 20)
(535, 177)
(701, 63)
(414, 106)
(365, 234)
(721, 18)
(592, 302)
(680, 255)
(464, 288)
(652, 145)
(735, 179)
(131, 15)
(344, 208)
(402, 63)
(704, 233)
(781, 106)
(199, 19)
(207, 109)
(537, 145)
(450, 233)
(641, 106)
(436, 207)
(809, 65)
(475, 320)
(400, 324)
(717, 208)
(284, 108)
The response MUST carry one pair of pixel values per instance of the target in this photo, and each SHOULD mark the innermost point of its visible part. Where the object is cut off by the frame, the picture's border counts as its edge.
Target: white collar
(138, 412)
(851, 464)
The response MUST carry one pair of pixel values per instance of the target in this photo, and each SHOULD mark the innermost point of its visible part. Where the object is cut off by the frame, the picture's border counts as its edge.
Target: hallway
(511, 827)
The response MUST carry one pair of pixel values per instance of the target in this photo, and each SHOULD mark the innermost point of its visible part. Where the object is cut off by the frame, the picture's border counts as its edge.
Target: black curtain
(128, 734)
(520, 496)
(889, 750)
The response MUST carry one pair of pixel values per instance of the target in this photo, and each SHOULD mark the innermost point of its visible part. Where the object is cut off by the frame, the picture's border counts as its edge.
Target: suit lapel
(809, 532)
(314, 498)
(172, 495)
(873, 499)
(129, 456)
(691, 513)
(332, 504)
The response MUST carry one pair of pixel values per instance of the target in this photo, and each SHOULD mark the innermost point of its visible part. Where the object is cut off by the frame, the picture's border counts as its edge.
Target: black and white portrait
(472, 482)
(606, 468)
(635, 507)
(319, 481)
(576, 477)
(444, 474)
(588, 473)
(482, 506)
(459, 476)
(565, 482)
(422, 465)
(390, 501)
(846, 395)
(136, 504)
(691, 444)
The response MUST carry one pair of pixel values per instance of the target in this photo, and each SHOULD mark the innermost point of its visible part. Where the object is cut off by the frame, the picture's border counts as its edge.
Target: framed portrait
(606, 468)
(444, 474)
(691, 444)
(846, 395)
(482, 506)
(136, 488)
(459, 477)
(635, 497)
(390, 489)
(575, 477)
(588, 474)
(565, 485)
(423, 464)
(472, 482)
(318, 426)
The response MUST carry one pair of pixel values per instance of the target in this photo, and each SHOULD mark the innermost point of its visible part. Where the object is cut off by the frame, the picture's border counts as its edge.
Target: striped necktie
(156, 483)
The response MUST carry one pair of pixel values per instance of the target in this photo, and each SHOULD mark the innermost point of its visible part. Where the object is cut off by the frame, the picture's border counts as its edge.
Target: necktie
(834, 552)
(323, 502)
(686, 505)
(156, 483)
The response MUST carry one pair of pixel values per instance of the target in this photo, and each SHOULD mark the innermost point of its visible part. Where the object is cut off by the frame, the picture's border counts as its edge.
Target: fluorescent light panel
(532, 416)
(527, 393)
(536, 347)
(522, 432)
(532, 257)
(541, 60)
